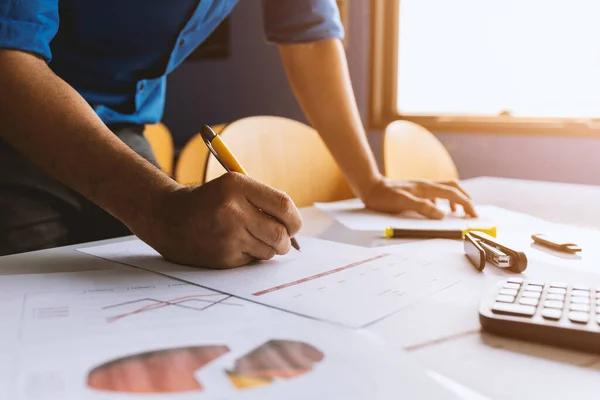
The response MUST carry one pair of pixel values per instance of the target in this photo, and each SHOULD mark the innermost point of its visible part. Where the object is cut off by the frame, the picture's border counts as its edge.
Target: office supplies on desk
(227, 159)
(480, 247)
(554, 313)
(554, 244)
(391, 232)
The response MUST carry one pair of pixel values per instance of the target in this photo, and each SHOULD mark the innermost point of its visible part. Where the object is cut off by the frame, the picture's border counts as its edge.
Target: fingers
(275, 203)
(257, 249)
(452, 194)
(234, 262)
(456, 185)
(424, 207)
(452, 206)
(267, 230)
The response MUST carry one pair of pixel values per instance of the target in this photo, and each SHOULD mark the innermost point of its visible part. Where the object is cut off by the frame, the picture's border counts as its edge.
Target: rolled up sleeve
(28, 25)
(301, 21)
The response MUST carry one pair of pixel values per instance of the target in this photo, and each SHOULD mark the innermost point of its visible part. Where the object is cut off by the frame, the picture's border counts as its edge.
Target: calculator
(553, 313)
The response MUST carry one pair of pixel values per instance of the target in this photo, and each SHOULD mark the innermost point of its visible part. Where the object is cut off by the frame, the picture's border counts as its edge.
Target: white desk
(498, 368)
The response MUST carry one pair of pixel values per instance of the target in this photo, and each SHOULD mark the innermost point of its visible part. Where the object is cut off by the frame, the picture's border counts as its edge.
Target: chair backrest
(287, 155)
(412, 152)
(191, 164)
(161, 143)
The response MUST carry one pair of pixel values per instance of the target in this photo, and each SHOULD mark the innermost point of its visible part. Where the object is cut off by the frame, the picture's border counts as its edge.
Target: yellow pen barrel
(490, 231)
(227, 156)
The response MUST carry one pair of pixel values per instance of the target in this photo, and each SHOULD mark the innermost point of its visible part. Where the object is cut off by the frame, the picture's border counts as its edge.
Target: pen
(226, 158)
(435, 233)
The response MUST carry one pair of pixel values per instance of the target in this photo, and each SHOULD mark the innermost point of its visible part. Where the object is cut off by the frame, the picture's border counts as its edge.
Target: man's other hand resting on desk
(393, 197)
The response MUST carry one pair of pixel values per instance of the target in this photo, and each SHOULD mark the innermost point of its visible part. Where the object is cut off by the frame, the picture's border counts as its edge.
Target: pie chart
(174, 370)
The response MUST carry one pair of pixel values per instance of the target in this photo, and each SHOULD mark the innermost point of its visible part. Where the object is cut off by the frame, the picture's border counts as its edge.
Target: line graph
(180, 302)
(317, 276)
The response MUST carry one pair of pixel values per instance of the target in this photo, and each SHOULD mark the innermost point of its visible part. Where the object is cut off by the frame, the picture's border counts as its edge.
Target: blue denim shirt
(117, 53)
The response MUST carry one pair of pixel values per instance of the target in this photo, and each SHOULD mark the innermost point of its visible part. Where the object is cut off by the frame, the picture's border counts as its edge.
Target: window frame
(384, 82)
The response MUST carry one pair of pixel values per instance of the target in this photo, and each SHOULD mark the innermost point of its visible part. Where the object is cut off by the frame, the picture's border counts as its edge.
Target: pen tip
(295, 244)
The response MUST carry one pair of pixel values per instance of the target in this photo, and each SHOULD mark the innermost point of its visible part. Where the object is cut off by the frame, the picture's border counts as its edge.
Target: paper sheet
(349, 285)
(354, 215)
(461, 391)
(185, 342)
(506, 369)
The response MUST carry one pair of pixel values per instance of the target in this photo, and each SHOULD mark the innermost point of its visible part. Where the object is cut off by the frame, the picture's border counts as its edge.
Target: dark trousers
(37, 212)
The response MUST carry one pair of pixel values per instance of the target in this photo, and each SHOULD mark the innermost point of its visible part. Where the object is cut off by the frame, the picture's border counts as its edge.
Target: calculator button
(529, 301)
(513, 309)
(580, 300)
(554, 304)
(580, 293)
(553, 296)
(556, 290)
(598, 310)
(598, 295)
(581, 287)
(552, 314)
(533, 288)
(505, 299)
(579, 317)
(514, 286)
(509, 292)
(532, 295)
(536, 283)
(561, 285)
(579, 307)
(515, 280)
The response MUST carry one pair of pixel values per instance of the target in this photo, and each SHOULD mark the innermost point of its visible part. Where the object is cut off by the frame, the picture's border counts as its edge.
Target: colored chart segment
(174, 370)
(162, 371)
(276, 359)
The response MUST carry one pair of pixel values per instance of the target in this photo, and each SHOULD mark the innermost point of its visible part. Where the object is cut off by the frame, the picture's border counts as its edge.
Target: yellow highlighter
(226, 158)
(435, 234)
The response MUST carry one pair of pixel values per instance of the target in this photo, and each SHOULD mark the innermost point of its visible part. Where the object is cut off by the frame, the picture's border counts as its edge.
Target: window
(481, 65)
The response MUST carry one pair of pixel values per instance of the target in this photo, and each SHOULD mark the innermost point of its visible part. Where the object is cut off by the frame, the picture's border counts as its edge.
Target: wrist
(143, 208)
(367, 184)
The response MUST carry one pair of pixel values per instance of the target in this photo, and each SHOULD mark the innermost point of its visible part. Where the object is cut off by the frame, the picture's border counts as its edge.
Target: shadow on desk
(556, 354)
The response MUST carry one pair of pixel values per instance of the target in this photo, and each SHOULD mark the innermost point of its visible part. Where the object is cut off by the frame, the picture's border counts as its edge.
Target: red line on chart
(310, 278)
(174, 302)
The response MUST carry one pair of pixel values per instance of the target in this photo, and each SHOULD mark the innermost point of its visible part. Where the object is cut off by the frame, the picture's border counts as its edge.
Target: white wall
(550, 158)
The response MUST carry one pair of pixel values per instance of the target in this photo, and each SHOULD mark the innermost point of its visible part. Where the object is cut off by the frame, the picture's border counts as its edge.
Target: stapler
(481, 248)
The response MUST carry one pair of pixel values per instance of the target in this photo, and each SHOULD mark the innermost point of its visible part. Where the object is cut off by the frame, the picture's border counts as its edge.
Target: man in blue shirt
(78, 81)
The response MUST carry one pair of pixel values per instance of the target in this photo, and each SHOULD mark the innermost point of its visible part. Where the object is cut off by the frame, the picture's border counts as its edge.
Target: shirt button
(181, 42)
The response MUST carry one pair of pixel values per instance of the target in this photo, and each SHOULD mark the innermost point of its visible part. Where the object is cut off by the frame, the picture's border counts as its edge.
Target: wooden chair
(191, 165)
(161, 143)
(285, 154)
(412, 152)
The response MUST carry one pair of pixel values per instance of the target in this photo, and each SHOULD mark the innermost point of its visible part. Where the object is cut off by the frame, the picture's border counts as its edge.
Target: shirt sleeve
(28, 25)
(300, 21)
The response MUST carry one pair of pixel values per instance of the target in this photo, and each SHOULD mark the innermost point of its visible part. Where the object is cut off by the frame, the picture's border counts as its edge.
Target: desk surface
(495, 367)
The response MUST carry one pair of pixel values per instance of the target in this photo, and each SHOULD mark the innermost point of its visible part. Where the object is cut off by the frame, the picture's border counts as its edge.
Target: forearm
(49, 123)
(318, 74)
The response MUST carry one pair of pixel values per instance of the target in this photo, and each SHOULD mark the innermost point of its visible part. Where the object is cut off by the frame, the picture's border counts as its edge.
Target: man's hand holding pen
(226, 223)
